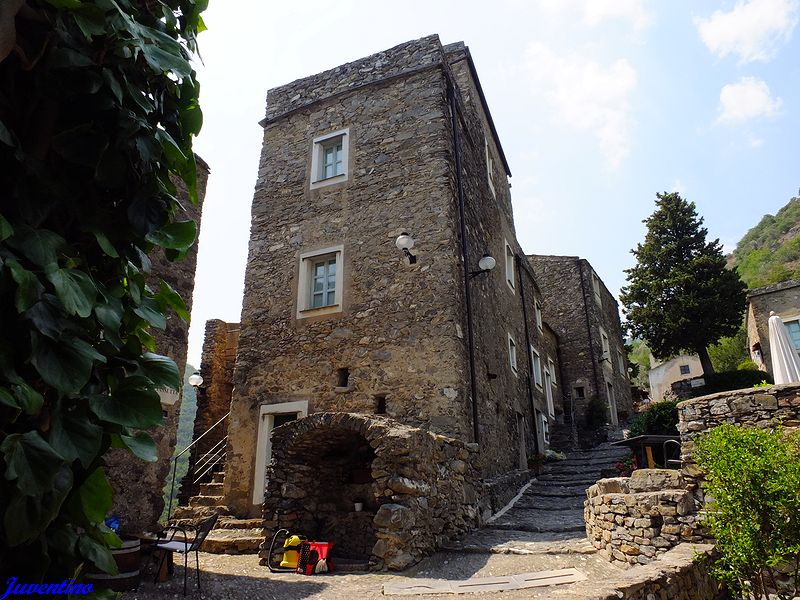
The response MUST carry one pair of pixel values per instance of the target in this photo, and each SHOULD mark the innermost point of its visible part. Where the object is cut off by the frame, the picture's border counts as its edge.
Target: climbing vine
(98, 108)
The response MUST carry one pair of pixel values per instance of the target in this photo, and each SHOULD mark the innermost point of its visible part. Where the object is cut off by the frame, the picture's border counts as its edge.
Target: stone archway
(418, 489)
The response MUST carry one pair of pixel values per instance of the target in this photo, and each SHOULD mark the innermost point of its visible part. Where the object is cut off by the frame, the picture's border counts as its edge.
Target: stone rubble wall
(678, 574)
(638, 518)
(421, 488)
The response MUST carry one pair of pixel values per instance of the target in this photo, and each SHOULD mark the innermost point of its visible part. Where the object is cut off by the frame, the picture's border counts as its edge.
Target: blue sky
(599, 104)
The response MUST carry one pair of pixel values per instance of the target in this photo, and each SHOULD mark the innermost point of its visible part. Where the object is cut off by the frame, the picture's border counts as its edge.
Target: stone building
(663, 374)
(585, 316)
(400, 369)
(138, 485)
(784, 300)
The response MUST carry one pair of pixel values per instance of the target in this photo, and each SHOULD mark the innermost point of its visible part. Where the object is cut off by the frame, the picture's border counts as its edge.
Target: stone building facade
(784, 300)
(431, 342)
(138, 485)
(585, 316)
(663, 374)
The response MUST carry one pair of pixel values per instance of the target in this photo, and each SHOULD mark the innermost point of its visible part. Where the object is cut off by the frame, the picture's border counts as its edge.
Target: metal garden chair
(185, 546)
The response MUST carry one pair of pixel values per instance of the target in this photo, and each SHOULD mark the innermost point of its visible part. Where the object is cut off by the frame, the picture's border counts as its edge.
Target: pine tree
(680, 297)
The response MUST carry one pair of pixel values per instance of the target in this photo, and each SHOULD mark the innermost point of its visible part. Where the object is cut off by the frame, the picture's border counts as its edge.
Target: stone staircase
(548, 516)
(230, 535)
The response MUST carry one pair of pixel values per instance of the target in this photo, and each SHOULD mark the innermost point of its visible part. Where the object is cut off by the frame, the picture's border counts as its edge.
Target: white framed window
(793, 326)
(596, 289)
(621, 362)
(489, 168)
(320, 280)
(545, 424)
(512, 353)
(551, 365)
(536, 367)
(548, 391)
(510, 267)
(605, 347)
(329, 158)
(537, 309)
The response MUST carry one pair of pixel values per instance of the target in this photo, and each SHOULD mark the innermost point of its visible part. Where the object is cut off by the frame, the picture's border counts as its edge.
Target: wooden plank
(483, 584)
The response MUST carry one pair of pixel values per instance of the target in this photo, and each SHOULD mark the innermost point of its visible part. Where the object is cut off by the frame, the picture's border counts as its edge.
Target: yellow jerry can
(291, 551)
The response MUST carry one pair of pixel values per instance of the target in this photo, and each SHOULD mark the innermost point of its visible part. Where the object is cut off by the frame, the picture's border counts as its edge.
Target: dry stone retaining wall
(418, 488)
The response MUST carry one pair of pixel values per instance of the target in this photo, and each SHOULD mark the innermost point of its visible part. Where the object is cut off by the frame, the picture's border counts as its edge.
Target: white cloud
(595, 12)
(679, 187)
(753, 30)
(747, 99)
(755, 142)
(586, 95)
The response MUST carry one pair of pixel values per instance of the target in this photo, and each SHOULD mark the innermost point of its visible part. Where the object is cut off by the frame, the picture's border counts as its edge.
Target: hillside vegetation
(770, 251)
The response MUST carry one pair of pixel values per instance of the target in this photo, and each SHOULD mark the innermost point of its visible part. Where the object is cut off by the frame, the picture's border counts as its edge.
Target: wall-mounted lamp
(195, 379)
(405, 243)
(485, 264)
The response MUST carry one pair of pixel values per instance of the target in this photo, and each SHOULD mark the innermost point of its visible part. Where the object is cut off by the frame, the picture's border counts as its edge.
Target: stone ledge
(678, 574)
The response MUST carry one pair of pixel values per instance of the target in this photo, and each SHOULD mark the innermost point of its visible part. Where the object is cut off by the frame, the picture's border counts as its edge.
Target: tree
(730, 352)
(680, 297)
(98, 107)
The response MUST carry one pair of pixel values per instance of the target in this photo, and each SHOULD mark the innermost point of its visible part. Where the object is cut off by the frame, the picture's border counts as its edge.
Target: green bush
(660, 418)
(753, 476)
(747, 365)
(731, 380)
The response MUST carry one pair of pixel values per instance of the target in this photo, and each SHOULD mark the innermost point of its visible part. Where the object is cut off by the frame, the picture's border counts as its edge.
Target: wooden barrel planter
(129, 560)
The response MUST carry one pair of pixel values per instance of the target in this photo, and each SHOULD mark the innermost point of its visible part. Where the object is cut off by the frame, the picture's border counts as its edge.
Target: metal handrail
(175, 460)
(213, 450)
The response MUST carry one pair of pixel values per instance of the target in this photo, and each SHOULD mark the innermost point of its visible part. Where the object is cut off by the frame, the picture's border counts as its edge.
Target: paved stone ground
(543, 531)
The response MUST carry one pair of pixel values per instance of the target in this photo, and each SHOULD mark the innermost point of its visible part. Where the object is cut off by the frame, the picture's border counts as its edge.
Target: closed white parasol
(785, 362)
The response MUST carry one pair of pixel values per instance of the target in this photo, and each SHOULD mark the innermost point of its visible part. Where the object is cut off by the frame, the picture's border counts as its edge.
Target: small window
(510, 267)
(605, 347)
(684, 369)
(580, 392)
(793, 326)
(489, 168)
(320, 282)
(545, 426)
(552, 367)
(380, 404)
(342, 377)
(537, 308)
(536, 367)
(512, 353)
(596, 288)
(329, 158)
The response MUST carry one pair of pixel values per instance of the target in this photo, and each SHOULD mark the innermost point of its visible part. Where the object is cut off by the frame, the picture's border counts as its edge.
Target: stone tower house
(337, 318)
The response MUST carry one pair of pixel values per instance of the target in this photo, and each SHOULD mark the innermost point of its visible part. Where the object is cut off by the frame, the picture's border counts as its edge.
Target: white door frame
(612, 404)
(266, 423)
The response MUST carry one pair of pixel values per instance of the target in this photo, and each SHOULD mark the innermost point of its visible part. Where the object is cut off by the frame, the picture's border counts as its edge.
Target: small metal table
(650, 449)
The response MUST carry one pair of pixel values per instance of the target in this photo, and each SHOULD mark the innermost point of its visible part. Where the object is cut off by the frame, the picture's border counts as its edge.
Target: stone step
(550, 502)
(507, 541)
(562, 491)
(233, 523)
(566, 479)
(210, 489)
(540, 521)
(197, 501)
(218, 477)
(559, 469)
(233, 541)
(600, 452)
(198, 513)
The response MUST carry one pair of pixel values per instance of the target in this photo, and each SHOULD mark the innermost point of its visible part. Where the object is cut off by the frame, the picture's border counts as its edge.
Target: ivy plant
(98, 108)
(753, 478)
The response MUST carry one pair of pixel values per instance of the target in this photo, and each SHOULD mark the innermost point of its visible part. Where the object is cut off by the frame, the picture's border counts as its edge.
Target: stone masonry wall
(138, 486)
(326, 462)
(217, 362)
(571, 309)
(638, 518)
(784, 299)
(399, 339)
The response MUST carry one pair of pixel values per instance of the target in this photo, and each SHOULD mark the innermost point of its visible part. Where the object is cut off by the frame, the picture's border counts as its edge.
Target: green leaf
(175, 155)
(28, 287)
(74, 436)
(168, 297)
(177, 236)
(40, 246)
(31, 461)
(6, 136)
(132, 406)
(75, 289)
(6, 231)
(81, 145)
(167, 62)
(7, 398)
(105, 244)
(161, 370)
(96, 496)
(28, 517)
(46, 317)
(141, 445)
(68, 4)
(65, 364)
(28, 398)
(98, 554)
(150, 311)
